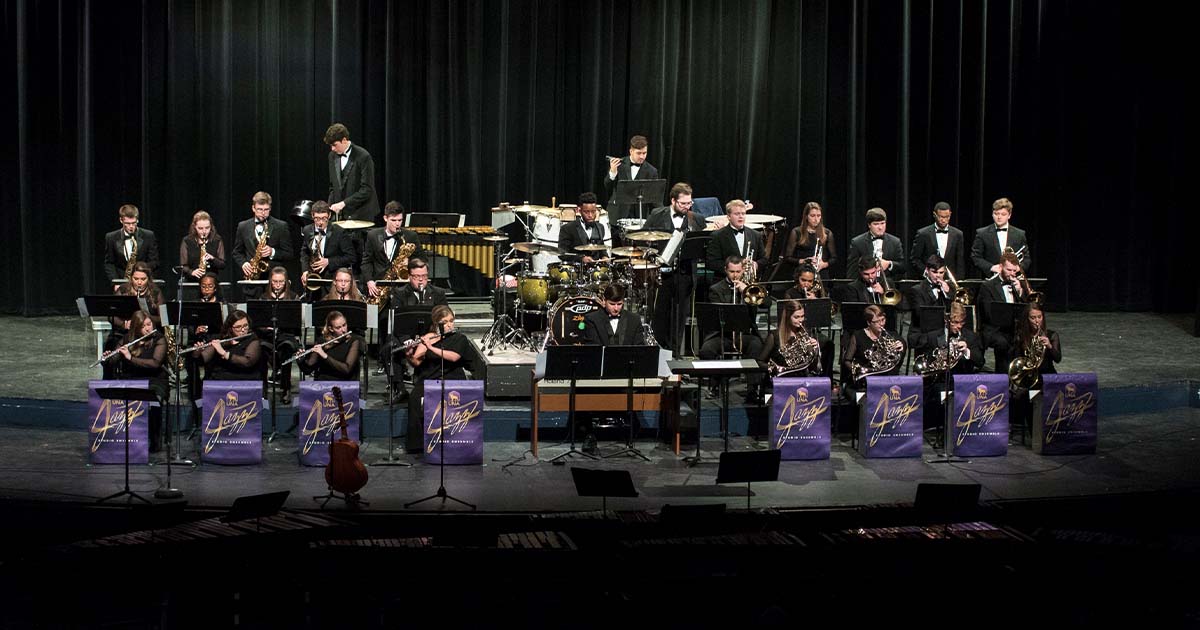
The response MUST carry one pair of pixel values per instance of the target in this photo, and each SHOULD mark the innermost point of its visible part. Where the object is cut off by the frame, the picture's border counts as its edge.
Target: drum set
(542, 299)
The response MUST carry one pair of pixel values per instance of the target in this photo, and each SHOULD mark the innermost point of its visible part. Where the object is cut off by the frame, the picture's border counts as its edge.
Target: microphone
(179, 270)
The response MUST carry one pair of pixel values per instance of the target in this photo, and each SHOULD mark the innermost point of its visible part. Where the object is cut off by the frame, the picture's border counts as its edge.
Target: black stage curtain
(1073, 109)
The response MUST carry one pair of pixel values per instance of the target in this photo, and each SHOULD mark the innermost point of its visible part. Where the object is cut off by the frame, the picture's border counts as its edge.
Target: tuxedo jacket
(572, 233)
(855, 292)
(921, 294)
(339, 248)
(375, 262)
(624, 173)
(985, 251)
(893, 250)
(245, 243)
(924, 245)
(724, 244)
(431, 296)
(114, 252)
(990, 291)
(721, 293)
(354, 185)
(926, 342)
(598, 330)
(660, 220)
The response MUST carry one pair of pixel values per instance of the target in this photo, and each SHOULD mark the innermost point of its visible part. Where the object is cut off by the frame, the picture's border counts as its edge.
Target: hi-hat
(590, 248)
(495, 238)
(536, 248)
(765, 219)
(353, 224)
(632, 252)
(649, 236)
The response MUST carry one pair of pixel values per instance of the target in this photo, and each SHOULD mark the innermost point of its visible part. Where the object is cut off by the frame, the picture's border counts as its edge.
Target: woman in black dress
(144, 359)
(201, 235)
(427, 358)
(804, 239)
(874, 339)
(231, 360)
(339, 361)
(788, 335)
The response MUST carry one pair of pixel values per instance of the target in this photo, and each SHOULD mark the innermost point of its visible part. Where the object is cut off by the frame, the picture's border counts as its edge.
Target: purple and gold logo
(893, 409)
(228, 418)
(1068, 407)
(798, 415)
(112, 417)
(978, 411)
(322, 420)
(451, 419)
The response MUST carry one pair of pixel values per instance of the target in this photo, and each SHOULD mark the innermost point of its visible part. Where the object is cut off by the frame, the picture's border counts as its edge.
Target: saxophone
(173, 362)
(882, 357)
(398, 271)
(939, 360)
(204, 256)
(257, 264)
(798, 355)
(129, 264)
(1023, 370)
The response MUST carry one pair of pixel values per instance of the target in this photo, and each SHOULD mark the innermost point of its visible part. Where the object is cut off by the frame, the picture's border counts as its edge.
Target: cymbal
(591, 248)
(354, 224)
(753, 226)
(536, 248)
(495, 238)
(763, 218)
(632, 252)
(529, 208)
(649, 236)
(512, 261)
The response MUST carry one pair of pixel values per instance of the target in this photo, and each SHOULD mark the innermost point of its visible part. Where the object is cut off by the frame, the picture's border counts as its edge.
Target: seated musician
(1031, 336)
(871, 351)
(585, 231)
(791, 342)
(1003, 288)
(139, 285)
(343, 287)
(144, 359)
(418, 292)
(866, 288)
(805, 288)
(337, 361)
(283, 345)
(613, 325)
(731, 289)
(209, 294)
(964, 355)
(931, 289)
(228, 358)
(450, 351)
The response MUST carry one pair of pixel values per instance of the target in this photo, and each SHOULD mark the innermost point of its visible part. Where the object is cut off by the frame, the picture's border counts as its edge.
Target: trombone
(891, 296)
(1032, 297)
(961, 294)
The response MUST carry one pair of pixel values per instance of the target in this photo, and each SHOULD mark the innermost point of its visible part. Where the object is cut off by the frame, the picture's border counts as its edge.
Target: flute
(209, 343)
(304, 353)
(112, 353)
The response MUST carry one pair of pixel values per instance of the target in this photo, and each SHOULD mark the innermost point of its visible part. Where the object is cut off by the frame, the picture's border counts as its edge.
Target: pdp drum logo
(580, 309)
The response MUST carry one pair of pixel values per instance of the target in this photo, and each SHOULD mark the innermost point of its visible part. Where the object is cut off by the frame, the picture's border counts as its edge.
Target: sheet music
(672, 248)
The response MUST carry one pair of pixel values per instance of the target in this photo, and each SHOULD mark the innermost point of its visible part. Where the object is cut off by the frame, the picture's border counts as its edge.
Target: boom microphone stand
(441, 491)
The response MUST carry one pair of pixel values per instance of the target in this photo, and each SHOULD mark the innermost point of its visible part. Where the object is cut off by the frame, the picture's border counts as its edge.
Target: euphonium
(1023, 370)
(798, 355)
(257, 264)
(882, 357)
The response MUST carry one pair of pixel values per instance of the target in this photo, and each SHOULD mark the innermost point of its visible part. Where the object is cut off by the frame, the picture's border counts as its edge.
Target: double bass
(345, 472)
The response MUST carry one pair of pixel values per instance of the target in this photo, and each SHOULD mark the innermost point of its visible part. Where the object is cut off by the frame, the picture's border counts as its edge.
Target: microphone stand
(947, 456)
(274, 365)
(170, 492)
(441, 491)
(390, 370)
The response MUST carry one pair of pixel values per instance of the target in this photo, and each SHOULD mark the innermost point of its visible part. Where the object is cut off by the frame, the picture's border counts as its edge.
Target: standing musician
(932, 289)
(612, 325)
(730, 290)
(865, 344)
(993, 240)
(280, 289)
(804, 240)
(427, 359)
(325, 247)
(585, 231)
(735, 240)
(622, 169)
(144, 359)
(343, 287)
(1002, 288)
(248, 243)
(939, 238)
(867, 287)
(129, 244)
(383, 243)
(339, 361)
(351, 177)
(678, 282)
(805, 288)
(792, 333)
(201, 237)
(233, 360)
(877, 243)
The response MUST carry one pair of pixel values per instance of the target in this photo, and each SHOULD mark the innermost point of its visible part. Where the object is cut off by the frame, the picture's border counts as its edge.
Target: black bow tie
(394, 237)
(129, 236)
(613, 318)
(320, 232)
(943, 230)
(738, 230)
(1003, 229)
(876, 238)
(257, 222)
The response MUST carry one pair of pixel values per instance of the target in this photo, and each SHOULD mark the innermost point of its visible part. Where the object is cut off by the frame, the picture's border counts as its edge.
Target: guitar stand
(353, 501)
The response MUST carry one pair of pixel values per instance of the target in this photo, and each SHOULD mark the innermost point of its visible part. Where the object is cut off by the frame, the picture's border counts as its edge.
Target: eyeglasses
(685, 204)
(243, 326)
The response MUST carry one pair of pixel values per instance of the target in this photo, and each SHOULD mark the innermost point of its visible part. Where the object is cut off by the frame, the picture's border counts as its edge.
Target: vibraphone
(464, 244)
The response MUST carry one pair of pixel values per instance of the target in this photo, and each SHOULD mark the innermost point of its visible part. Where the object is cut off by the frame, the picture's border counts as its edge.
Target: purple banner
(463, 431)
(232, 426)
(319, 415)
(1065, 423)
(980, 415)
(889, 423)
(800, 407)
(106, 425)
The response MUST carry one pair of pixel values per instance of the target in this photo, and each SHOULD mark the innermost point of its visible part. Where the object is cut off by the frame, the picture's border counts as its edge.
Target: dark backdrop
(1073, 109)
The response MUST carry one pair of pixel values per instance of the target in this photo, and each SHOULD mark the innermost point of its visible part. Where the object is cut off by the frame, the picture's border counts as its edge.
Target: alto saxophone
(882, 357)
(398, 271)
(172, 351)
(257, 264)
(204, 256)
(798, 355)
(129, 264)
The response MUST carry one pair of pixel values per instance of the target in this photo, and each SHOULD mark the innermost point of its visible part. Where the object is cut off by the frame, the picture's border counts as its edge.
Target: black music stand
(408, 320)
(281, 314)
(574, 363)
(119, 306)
(256, 506)
(1004, 315)
(439, 268)
(714, 369)
(629, 362)
(630, 192)
(818, 312)
(243, 284)
(591, 482)
(126, 394)
(189, 314)
(748, 467)
(725, 318)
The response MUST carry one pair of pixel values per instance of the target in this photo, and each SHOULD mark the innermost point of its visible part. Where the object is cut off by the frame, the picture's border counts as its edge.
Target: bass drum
(566, 318)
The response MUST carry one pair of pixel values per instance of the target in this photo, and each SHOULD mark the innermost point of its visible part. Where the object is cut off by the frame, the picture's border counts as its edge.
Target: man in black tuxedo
(877, 243)
(939, 238)
(866, 287)
(998, 335)
(966, 343)
(585, 230)
(729, 290)
(931, 289)
(633, 167)
(276, 251)
(120, 244)
(612, 325)
(418, 292)
(351, 177)
(673, 300)
(383, 243)
(992, 240)
(325, 247)
(735, 239)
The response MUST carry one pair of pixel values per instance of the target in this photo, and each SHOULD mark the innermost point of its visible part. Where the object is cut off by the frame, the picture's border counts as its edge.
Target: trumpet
(325, 344)
(209, 343)
(754, 294)
(112, 353)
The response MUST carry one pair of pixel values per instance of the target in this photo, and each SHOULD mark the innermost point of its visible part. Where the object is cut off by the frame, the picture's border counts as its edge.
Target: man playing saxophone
(260, 243)
(383, 243)
(325, 248)
(129, 245)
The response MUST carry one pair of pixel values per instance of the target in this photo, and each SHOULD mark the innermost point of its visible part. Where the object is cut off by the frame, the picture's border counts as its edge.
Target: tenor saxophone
(129, 264)
(398, 271)
(257, 264)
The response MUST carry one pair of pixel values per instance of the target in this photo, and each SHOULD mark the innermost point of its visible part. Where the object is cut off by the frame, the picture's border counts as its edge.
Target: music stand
(591, 482)
(281, 314)
(256, 506)
(693, 248)
(574, 363)
(126, 394)
(818, 313)
(629, 362)
(409, 320)
(629, 192)
(930, 318)
(245, 284)
(748, 467)
(1004, 315)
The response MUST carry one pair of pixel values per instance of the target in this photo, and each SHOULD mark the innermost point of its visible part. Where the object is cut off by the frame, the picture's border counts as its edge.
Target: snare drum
(533, 289)
(562, 273)
(644, 273)
(599, 273)
(566, 318)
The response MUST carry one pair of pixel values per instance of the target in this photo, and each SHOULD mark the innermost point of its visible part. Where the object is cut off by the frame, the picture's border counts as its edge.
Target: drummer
(584, 231)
